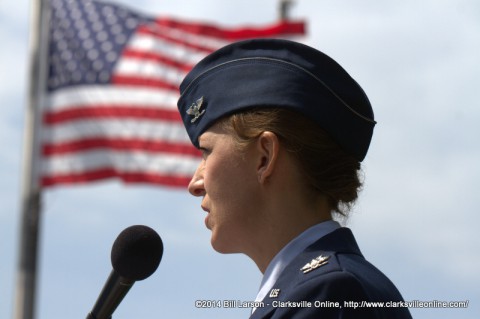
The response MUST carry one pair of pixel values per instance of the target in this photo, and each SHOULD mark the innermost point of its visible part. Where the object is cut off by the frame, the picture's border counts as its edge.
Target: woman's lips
(206, 217)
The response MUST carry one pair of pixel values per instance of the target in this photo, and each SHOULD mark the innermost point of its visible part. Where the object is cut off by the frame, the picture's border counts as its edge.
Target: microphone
(136, 254)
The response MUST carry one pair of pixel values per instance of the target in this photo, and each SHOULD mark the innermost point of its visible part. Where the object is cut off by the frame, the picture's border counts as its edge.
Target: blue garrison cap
(277, 73)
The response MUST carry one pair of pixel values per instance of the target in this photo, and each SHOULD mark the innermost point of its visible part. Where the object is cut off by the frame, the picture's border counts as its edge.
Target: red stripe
(144, 55)
(137, 177)
(143, 81)
(145, 29)
(280, 29)
(119, 145)
(103, 111)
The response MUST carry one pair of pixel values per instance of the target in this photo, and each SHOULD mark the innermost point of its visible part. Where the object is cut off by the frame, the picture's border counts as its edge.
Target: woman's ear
(268, 147)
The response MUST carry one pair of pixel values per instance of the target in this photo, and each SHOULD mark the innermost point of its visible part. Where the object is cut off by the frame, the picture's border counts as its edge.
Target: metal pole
(26, 280)
(284, 9)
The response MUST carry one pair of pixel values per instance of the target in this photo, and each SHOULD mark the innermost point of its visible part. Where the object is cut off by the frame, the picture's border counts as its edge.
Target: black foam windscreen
(137, 252)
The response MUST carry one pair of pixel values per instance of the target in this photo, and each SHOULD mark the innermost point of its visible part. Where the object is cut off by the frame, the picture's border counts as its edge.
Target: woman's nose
(196, 186)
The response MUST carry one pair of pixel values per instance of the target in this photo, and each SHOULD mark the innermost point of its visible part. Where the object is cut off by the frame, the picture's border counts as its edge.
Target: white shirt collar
(290, 251)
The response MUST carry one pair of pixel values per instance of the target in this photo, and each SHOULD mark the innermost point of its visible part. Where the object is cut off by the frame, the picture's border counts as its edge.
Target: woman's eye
(205, 151)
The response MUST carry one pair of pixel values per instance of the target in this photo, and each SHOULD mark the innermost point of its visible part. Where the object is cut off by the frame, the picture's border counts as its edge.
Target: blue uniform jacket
(332, 279)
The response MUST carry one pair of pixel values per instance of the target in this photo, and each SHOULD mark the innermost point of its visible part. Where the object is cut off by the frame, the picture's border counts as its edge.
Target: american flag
(112, 90)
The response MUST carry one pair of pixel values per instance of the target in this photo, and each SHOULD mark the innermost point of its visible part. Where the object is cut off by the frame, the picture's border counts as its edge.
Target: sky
(416, 219)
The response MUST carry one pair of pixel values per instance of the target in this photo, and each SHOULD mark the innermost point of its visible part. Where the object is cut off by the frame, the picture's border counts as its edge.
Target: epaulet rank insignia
(315, 263)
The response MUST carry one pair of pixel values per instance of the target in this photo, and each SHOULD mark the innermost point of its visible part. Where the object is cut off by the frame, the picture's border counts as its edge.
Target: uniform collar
(290, 251)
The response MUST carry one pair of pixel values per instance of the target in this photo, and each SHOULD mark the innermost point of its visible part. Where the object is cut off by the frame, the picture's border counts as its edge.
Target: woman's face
(227, 180)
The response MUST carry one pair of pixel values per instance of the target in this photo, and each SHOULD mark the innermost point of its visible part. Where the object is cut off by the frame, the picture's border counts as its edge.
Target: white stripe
(116, 128)
(98, 95)
(148, 43)
(148, 69)
(208, 42)
(130, 161)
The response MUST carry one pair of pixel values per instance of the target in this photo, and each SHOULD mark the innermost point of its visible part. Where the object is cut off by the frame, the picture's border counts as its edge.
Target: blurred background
(417, 216)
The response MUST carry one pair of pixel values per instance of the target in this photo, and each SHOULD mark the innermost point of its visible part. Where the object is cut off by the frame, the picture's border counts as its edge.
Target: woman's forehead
(214, 131)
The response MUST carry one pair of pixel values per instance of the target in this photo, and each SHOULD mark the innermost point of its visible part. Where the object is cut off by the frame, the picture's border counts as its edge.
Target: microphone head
(137, 252)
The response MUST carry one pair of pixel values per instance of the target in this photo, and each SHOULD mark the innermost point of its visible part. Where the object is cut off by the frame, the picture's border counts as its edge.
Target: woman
(283, 129)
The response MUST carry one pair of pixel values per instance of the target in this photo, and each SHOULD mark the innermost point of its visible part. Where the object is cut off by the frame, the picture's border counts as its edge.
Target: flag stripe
(93, 96)
(148, 43)
(157, 34)
(134, 67)
(107, 111)
(160, 59)
(152, 130)
(119, 144)
(145, 82)
(104, 173)
(179, 36)
(283, 28)
(123, 161)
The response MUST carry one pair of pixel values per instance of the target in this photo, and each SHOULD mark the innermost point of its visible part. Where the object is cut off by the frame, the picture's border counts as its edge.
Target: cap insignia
(194, 110)
(315, 263)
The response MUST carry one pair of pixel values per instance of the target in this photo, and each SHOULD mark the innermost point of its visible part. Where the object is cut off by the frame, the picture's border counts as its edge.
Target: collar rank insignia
(194, 110)
(315, 263)
(274, 293)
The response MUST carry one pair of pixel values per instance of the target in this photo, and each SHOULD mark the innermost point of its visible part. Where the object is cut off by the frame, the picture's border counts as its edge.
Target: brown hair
(327, 169)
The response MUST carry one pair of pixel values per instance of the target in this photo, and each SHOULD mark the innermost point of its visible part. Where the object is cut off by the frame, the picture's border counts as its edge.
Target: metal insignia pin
(315, 263)
(194, 110)
(274, 293)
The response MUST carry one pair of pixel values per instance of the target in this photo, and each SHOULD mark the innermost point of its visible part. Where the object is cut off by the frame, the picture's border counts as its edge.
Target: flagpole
(26, 277)
(284, 9)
